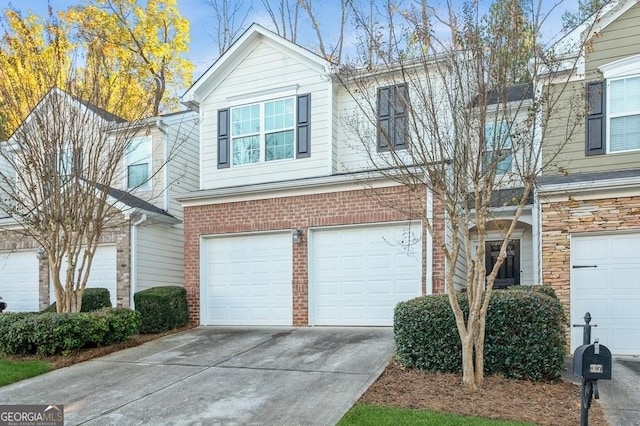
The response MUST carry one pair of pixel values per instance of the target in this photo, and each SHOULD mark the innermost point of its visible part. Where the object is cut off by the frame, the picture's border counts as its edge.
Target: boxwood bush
(51, 333)
(162, 308)
(544, 289)
(92, 300)
(524, 335)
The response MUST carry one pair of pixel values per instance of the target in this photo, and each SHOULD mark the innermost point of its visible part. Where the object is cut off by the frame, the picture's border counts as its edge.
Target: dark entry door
(509, 273)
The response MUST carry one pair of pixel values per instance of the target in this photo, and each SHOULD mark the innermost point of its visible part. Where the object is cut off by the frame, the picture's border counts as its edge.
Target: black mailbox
(592, 362)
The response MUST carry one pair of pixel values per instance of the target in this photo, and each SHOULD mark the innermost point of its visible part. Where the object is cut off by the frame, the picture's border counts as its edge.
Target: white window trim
(617, 70)
(147, 185)
(608, 115)
(262, 133)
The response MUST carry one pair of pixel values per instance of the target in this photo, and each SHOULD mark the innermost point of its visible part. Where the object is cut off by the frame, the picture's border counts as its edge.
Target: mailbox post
(592, 362)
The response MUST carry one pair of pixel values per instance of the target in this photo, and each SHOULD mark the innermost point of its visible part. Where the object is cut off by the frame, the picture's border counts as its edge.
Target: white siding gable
(268, 71)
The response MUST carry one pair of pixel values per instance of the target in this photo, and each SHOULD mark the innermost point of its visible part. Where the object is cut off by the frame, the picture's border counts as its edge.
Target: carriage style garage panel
(357, 275)
(19, 280)
(247, 279)
(103, 272)
(605, 281)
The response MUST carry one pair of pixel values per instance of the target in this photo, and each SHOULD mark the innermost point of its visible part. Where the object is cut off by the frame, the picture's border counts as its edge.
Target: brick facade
(288, 213)
(561, 219)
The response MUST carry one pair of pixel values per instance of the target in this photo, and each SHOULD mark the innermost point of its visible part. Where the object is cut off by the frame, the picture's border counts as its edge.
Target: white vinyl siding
(160, 256)
(183, 167)
(280, 74)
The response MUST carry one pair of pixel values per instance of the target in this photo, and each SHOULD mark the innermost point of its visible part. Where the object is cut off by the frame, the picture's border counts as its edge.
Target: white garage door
(19, 280)
(103, 272)
(247, 280)
(605, 281)
(357, 275)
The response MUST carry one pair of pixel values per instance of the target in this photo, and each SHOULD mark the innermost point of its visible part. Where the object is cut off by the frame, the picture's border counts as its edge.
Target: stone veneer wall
(561, 219)
(327, 209)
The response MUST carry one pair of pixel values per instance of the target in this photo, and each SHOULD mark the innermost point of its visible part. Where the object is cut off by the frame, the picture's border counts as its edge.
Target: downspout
(165, 164)
(133, 278)
(429, 243)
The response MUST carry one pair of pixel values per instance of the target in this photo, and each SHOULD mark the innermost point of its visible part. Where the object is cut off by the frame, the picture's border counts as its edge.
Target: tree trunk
(69, 301)
(468, 370)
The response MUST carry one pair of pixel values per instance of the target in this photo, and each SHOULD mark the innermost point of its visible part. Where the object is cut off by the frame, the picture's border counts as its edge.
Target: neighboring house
(145, 248)
(288, 227)
(591, 203)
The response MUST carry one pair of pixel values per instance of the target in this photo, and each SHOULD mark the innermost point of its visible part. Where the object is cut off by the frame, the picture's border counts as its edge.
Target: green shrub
(51, 333)
(524, 335)
(162, 308)
(544, 289)
(93, 299)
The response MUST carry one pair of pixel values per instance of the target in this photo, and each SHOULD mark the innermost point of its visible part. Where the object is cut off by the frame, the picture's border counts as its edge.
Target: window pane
(139, 150)
(137, 175)
(279, 145)
(246, 150)
(624, 96)
(624, 133)
(279, 115)
(245, 120)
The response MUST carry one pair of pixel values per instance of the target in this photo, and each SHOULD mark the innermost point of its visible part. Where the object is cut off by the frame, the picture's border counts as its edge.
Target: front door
(509, 272)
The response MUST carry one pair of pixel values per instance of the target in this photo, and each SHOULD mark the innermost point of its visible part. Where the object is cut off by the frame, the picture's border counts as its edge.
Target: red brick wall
(338, 208)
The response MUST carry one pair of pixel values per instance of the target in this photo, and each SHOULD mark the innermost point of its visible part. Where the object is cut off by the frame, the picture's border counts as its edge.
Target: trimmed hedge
(162, 308)
(524, 335)
(544, 289)
(51, 333)
(93, 299)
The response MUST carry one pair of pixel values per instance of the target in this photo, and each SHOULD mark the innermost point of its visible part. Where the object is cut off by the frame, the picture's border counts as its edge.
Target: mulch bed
(556, 404)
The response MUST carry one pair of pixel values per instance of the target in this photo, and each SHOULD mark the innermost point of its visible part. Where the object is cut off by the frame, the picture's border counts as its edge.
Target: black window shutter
(384, 118)
(303, 136)
(595, 121)
(223, 139)
(400, 101)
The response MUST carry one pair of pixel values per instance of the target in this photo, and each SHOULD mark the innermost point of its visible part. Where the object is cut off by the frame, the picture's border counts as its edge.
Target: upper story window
(623, 119)
(499, 153)
(264, 131)
(613, 109)
(138, 163)
(392, 117)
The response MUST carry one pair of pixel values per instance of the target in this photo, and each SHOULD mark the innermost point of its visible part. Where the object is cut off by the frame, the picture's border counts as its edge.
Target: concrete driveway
(620, 397)
(210, 375)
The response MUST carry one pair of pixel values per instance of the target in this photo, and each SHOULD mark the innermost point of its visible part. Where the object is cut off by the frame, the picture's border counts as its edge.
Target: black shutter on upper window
(303, 126)
(595, 120)
(400, 104)
(223, 139)
(384, 118)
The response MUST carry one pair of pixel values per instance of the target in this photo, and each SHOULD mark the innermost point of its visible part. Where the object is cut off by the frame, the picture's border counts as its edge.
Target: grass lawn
(12, 371)
(382, 416)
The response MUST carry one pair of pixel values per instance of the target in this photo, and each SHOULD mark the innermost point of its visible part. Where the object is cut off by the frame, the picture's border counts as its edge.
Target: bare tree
(285, 19)
(438, 112)
(231, 18)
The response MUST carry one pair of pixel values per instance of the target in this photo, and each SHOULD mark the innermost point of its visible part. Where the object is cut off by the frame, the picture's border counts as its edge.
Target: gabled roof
(99, 112)
(571, 42)
(234, 55)
(130, 200)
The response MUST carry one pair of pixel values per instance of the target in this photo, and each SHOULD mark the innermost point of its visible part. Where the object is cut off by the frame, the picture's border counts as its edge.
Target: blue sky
(203, 49)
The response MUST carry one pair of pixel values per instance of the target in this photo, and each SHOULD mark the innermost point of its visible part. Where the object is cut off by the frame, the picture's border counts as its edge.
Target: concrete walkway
(619, 397)
(210, 375)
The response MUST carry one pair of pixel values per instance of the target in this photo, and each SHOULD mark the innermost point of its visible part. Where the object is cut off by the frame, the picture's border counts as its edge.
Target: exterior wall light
(41, 254)
(297, 236)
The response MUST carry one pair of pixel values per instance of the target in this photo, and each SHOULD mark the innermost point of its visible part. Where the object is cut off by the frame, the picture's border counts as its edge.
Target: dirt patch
(556, 404)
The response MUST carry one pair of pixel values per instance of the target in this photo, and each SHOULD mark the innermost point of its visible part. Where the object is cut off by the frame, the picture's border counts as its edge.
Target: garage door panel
(372, 274)
(610, 292)
(19, 276)
(247, 280)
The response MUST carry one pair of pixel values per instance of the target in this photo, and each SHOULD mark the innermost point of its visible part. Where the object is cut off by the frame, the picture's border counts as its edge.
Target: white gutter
(165, 163)
(592, 185)
(133, 277)
(429, 244)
